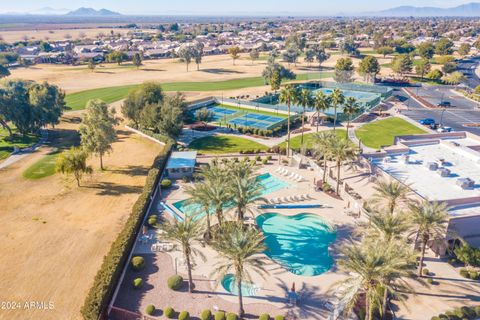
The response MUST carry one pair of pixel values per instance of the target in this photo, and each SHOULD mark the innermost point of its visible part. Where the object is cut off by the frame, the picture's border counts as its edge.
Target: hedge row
(463, 313)
(109, 274)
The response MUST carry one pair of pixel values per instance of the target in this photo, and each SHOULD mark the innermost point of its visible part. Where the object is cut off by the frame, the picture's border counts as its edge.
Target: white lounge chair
(291, 175)
(285, 173)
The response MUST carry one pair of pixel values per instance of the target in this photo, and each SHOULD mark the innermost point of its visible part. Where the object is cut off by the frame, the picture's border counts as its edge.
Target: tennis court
(255, 120)
(240, 117)
(220, 113)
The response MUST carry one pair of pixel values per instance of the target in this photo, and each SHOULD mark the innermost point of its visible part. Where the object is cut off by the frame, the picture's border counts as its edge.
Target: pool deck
(316, 292)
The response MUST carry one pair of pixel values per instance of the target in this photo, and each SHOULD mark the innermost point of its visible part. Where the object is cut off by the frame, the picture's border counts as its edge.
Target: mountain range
(90, 12)
(465, 10)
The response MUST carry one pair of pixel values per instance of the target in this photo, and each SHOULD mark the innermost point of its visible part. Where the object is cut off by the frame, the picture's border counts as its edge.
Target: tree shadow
(221, 71)
(151, 70)
(131, 171)
(111, 189)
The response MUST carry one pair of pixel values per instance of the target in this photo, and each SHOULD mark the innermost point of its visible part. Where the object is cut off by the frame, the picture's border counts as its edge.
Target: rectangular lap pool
(269, 185)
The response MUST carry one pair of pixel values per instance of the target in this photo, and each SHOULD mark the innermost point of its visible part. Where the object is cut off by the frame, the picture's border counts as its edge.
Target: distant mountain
(466, 10)
(90, 12)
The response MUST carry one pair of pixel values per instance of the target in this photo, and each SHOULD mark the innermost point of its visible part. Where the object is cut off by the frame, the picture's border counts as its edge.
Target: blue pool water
(298, 243)
(229, 283)
(268, 182)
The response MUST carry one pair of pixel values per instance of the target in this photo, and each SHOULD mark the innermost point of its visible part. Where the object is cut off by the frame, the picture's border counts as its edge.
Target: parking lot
(455, 117)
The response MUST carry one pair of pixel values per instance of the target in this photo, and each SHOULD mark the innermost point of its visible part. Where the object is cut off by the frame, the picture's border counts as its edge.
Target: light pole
(441, 117)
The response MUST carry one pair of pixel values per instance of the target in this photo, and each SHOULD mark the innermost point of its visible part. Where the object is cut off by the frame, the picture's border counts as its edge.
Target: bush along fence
(107, 278)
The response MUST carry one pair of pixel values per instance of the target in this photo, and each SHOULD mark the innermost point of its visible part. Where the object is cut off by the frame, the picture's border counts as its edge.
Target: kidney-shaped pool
(298, 243)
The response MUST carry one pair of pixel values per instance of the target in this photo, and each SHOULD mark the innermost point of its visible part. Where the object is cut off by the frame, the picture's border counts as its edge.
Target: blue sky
(312, 7)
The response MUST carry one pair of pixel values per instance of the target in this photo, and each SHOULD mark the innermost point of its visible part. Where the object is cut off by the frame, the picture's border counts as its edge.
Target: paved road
(467, 67)
(454, 117)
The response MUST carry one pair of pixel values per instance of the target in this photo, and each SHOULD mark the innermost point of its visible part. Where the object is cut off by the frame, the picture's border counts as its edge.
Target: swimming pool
(269, 185)
(298, 243)
(229, 283)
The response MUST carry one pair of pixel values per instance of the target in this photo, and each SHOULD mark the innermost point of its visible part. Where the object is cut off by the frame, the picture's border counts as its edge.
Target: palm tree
(240, 248)
(386, 226)
(321, 102)
(244, 187)
(322, 146)
(351, 108)
(373, 267)
(215, 182)
(305, 100)
(288, 95)
(337, 99)
(199, 195)
(430, 221)
(341, 150)
(186, 233)
(392, 192)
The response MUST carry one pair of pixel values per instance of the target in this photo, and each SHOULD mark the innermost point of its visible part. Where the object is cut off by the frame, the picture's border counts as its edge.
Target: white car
(444, 129)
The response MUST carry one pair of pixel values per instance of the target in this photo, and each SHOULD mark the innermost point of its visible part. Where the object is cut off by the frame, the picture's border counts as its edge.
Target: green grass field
(296, 142)
(7, 144)
(78, 100)
(224, 144)
(44, 167)
(383, 132)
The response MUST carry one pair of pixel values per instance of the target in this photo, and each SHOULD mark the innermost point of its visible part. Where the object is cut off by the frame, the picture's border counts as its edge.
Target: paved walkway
(22, 153)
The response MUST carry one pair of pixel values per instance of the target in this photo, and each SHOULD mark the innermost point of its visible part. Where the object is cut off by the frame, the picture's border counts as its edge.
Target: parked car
(444, 129)
(427, 121)
(444, 104)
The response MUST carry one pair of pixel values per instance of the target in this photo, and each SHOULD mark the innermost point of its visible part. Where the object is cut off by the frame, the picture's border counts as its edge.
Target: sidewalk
(22, 153)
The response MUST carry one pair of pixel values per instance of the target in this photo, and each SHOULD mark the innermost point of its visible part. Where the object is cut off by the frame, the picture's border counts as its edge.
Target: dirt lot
(55, 34)
(54, 235)
(213, 68)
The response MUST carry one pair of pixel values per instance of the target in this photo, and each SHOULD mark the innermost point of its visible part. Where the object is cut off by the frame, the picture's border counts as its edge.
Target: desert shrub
(150, 309)
(435, 318)
(152, 220)
(232, 316)
(138, 263)
(253, 162)
(169, 312)
(235, 159)
(219, 315)
(166, 183)
(279, 317)
(429, 280)
(468, 313)
(184, 315)
(473, 275)
(464, 273)
(175, 282)
(265, 161)
(425, 271)
(264, 316)
(258, 158)
(186, 179)
(137, 283)
(246, 159)
(206, 315)
(269, 157)
(477, 311)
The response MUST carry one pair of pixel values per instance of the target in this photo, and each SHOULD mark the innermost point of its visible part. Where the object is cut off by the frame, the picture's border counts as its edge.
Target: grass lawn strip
(44, 167)
(78, 100)
(7, 144)
(383, 132)
(221, 144)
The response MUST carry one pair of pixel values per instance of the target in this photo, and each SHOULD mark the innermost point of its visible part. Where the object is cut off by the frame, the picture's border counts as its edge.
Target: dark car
(427, 122)
(444, 104)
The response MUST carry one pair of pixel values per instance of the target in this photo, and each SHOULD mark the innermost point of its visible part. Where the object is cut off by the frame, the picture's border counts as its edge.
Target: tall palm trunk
(303, 123)
(240, 213)
(318, 116)
(241, 311)
(384, 304)
(324, 169)
(422, 256)
(209, 225)
(368, 308)
(288, 130)
(338, 176)
(334, 117)
(416, 241)
(219, 213)
(189, 268)
(348, 126)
